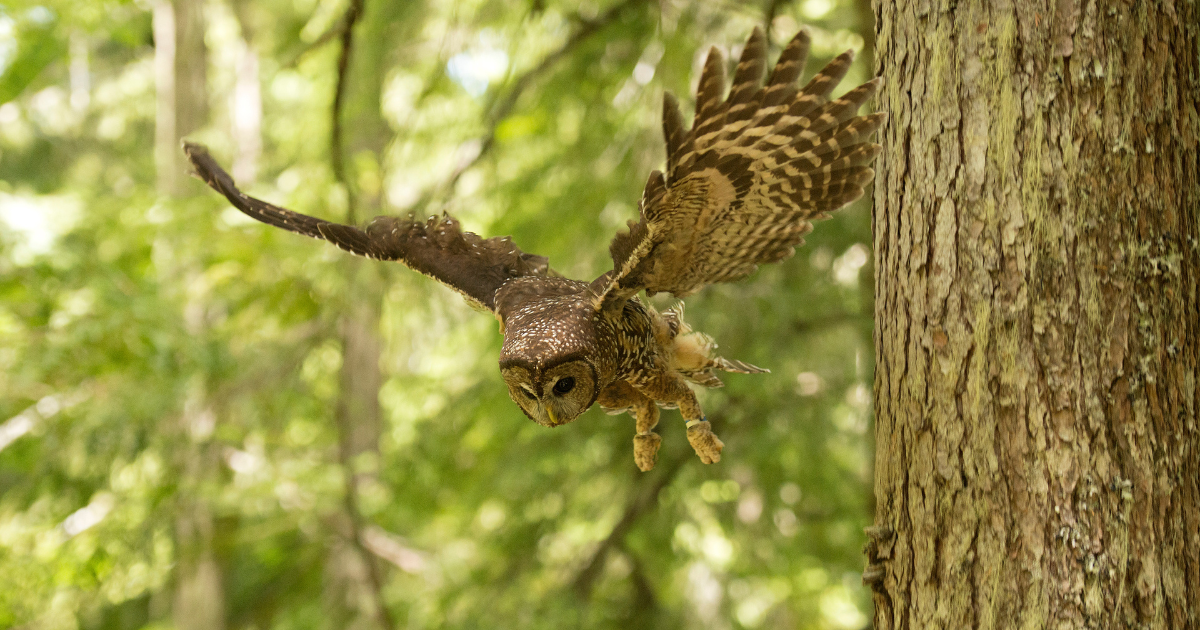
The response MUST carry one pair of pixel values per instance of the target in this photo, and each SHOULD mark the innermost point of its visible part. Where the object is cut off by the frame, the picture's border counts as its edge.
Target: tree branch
(337, 160)
(645, 602)
(392, 548)
(337, 29)
(363, 546)
(583, 583)
(502, 107)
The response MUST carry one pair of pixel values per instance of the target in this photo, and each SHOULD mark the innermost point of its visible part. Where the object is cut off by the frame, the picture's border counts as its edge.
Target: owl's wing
(743, 185)
(475, 267)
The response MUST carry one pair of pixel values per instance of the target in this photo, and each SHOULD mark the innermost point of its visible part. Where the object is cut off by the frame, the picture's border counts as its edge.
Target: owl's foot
(706, 443)
(645, 450)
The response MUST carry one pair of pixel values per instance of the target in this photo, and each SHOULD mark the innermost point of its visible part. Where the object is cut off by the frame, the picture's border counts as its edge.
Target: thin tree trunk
(354, 580)
(353, 583)
(180, 60)
(181, 85)
(245, 103)
(1037, 316)
(199, 602)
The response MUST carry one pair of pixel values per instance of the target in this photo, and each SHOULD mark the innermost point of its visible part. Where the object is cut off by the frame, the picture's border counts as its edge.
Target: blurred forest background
(206, 422)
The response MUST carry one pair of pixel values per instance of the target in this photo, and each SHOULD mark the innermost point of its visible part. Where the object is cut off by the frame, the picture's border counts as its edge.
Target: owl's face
(549, 351)
(554, 394)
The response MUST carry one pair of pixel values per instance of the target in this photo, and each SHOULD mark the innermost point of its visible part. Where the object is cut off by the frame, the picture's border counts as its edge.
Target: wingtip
(193, 148)
(715, 57)
(190, 149)
(195, 152)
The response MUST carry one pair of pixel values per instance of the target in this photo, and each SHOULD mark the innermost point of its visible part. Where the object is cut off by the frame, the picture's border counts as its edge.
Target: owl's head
(552, 393)
(548, 359)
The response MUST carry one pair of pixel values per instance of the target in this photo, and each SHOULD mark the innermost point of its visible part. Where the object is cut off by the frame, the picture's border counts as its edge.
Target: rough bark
(1037, 316)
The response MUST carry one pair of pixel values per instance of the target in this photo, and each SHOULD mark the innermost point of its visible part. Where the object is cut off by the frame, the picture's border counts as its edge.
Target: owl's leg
(622, 395)
(670, 387)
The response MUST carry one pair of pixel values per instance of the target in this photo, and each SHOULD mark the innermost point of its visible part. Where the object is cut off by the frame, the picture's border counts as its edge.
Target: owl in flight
(741, 189)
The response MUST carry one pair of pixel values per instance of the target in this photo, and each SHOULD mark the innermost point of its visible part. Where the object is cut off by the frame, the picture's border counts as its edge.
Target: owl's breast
(633, 335)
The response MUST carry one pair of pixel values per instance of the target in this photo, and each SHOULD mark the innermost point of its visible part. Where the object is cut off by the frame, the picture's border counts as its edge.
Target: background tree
(1038, 316)
(163, 361)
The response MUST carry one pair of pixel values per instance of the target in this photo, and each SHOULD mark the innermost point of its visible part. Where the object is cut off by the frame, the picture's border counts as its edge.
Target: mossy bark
(1037, 315)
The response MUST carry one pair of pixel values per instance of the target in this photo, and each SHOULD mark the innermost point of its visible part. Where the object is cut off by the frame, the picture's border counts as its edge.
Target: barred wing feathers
(473, 266)
(743, 185)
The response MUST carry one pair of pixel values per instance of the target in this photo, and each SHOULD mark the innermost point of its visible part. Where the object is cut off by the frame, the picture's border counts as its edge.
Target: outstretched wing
(438, 248)
(743, 185)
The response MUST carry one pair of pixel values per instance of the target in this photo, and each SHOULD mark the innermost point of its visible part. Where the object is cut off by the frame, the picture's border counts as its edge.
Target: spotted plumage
(741, 189)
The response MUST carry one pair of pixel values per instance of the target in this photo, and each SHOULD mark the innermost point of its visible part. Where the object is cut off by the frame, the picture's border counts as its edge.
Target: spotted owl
(740, 189)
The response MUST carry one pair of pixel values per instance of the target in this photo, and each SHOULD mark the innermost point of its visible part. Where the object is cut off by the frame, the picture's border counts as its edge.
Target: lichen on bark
(1037, 315)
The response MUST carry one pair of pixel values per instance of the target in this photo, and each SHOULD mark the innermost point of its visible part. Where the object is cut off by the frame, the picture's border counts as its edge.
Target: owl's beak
(550, 412)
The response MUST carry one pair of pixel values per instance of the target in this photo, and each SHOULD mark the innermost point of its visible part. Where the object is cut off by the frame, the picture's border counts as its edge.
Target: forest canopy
(172, 373)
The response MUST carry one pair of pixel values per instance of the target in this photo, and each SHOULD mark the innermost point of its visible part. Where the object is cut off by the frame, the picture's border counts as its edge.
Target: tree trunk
(181, 86)
(246, 110)
(1037, 316)
(181, 78)
(199, 601)
(353, 579)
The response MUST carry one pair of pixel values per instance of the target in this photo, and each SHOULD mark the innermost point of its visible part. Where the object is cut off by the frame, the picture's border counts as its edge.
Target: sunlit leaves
(140, 306)
(37, 44)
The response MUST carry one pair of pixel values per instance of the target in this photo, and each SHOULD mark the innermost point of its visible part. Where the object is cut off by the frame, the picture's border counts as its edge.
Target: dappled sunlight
(476, 68)
(37, 222)
(847, 266)
(174, 375)
(839, 609)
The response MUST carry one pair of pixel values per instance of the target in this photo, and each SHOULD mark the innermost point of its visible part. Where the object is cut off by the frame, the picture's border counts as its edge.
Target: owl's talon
(645, 450)
(706, 443)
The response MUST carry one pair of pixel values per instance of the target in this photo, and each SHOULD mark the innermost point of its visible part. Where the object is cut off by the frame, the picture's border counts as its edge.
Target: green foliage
(38, 44)
(140, 334)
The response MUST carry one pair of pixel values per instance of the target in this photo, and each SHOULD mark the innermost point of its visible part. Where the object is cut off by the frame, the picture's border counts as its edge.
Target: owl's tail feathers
(706, 376)
(741, 367)
(694, 354)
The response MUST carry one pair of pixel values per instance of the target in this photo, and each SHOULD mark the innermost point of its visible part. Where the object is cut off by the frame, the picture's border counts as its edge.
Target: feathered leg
(622, 395)
(670, 387)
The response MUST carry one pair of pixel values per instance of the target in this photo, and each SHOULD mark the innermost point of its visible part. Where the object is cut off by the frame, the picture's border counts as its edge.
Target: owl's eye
(564, 385)
(528, 394)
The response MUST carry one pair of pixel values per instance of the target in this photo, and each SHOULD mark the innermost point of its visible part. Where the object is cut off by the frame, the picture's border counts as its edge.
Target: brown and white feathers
(743, 185)
(474, 266)
(741, 189)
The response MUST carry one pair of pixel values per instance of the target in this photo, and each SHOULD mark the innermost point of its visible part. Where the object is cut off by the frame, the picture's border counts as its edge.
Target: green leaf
(38, 45)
